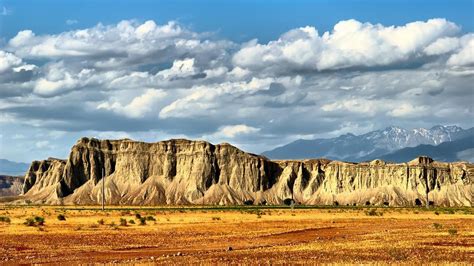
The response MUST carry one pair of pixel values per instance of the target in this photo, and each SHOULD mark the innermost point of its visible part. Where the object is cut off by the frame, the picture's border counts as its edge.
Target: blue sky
(252, 73)
(235, 20)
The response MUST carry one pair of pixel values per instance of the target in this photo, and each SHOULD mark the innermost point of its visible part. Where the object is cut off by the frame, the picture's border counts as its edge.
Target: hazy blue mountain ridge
(372, 145)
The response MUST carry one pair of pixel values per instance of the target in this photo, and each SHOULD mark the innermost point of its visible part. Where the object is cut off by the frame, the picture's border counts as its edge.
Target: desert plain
(235, 235)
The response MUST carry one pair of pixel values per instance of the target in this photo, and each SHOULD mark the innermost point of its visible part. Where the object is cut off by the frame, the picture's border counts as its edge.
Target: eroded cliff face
(197, 172)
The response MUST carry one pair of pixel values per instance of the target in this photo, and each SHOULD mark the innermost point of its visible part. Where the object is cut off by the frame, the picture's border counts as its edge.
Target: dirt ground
(236, 235)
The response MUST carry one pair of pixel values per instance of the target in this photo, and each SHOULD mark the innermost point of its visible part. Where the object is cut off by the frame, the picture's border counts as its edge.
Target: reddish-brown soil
(266, 236)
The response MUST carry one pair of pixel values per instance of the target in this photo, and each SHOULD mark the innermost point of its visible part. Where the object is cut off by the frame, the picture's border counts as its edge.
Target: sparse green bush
(123, 222)
(216, 218)
(29, 222)
(371, 212)
(437, 213)
(35, 221)
(138, 216)
(61, 217)
(5, 219)
(437, 225)
(101, 221)
(453, 231)
(39, 220)
(131, 221)
(142, 221)
(150, 218)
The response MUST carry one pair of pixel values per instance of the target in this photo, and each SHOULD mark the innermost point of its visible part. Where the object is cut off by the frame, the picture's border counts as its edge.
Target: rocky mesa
(197, 172)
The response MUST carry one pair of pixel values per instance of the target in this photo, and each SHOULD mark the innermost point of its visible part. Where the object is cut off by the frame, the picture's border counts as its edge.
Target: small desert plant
(142, 221)
(112, 224)
(371, 212)
(453, 231)
(101, 221)
(150, 218)
(216, 218)
(5, 219)
(61, 217)
(35, 221)
(29, 222)
(131, 221)
(437, 213)
(437, 225)
(123, 222)
(138, 216)
(39, 220)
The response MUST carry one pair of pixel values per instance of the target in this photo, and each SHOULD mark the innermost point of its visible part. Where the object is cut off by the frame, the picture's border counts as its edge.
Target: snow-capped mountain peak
(370, 145)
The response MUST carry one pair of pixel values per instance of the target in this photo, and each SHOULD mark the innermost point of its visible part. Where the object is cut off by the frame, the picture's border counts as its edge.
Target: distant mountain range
(444, 143)
(12, 168)
(450, 151)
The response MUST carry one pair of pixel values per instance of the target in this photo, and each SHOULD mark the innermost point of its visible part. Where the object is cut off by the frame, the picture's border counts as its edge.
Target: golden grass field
(237, 235)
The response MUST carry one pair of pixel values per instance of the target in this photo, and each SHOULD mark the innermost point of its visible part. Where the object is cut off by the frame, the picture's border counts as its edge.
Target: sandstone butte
(197, 172)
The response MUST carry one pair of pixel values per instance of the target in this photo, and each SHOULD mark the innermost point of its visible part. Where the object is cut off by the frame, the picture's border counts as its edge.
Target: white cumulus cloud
(350, 44)
(8, 60)
(465, 57)
(139, 106)
(231, 131)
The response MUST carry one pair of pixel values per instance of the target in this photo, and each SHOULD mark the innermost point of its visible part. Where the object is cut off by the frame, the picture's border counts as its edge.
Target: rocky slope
(10, 185)
(197, 172)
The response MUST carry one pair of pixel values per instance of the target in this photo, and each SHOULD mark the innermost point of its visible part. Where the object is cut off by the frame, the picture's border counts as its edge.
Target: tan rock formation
(197, 172)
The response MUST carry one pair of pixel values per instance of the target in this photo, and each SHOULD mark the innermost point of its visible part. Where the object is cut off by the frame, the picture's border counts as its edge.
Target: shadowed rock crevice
(197, 172)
